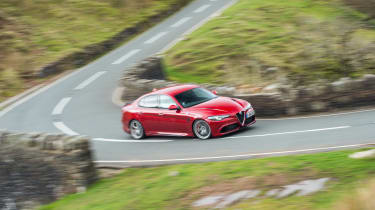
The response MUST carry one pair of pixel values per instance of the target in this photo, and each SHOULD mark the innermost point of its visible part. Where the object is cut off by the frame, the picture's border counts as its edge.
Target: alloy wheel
(201, 129)
(136, 129)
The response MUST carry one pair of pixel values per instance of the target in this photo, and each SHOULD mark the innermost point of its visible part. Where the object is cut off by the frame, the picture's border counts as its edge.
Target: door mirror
(173, 107)
(214, 92)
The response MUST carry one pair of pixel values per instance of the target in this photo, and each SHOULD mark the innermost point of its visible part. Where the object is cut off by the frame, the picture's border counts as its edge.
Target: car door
(172, 121)
(149, 113)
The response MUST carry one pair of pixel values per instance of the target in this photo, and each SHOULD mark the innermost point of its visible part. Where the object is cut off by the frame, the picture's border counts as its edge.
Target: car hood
(220, 105)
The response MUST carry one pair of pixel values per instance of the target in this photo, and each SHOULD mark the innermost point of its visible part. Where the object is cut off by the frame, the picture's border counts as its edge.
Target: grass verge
(155, 188)
(255, 42)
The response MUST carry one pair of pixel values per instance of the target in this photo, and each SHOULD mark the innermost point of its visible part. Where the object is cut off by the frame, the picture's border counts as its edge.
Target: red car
(185, 110)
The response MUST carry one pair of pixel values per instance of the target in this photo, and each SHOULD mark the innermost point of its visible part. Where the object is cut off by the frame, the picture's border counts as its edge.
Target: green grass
(35, 33)
(307, 40)
(153, 188)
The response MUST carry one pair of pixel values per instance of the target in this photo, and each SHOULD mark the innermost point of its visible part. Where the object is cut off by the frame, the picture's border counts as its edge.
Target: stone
(9, 204)
(342, 85)
(206, 201)
(223, 201)
(312, 186)
(343, 99)
(302, 188)
(283, 80)
(224, 90)
(252, 194)
(316, 90)
(270, 71)
(272, 193)
(318, 106)
(12, 138)
(81, 143)
(39, 141)
(369, 80)
(292, 111)
(49, 141)
(232, 198)
(68, 143)
(158, 84)
(273, 88)
(364, 154)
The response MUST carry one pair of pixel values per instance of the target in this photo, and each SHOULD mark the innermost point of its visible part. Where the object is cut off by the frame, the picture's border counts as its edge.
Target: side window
(149, 101)
(165, 102)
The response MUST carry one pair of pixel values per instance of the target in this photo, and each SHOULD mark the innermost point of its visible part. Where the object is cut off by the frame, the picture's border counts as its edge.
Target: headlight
(218, 117)
(248, 106)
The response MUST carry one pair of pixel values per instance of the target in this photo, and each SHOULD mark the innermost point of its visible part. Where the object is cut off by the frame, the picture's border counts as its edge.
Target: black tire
(202, 129)
(136, 130)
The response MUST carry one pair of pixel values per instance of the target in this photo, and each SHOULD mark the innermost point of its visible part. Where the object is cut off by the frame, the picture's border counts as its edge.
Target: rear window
(165, 102)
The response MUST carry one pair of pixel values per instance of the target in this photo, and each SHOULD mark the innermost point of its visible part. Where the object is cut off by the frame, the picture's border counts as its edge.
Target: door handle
(160, 114)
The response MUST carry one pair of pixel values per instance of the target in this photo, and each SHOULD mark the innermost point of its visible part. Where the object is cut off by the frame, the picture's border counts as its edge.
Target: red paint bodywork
(164, 122)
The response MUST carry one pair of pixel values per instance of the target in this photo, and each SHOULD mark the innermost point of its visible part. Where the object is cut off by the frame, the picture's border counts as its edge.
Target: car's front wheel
(136, 130)
(201, 129)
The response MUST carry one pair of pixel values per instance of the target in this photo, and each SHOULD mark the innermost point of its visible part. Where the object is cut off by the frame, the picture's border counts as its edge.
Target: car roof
(174, 90)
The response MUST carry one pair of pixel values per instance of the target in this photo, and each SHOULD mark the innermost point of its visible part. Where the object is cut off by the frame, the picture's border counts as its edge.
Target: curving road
(81, 103)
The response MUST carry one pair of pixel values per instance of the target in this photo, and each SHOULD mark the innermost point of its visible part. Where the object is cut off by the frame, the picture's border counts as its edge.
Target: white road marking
(236, 156)
(180, 22)
(156, 37)
(63, 128)
(59, 108)
(290, 132)
(126, 56)
(90, 80)
(131, 141)
(43, 89)
(202, 8)
(233, 137)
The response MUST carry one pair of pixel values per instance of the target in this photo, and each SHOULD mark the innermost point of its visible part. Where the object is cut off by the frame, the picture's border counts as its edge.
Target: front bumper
(230, 125)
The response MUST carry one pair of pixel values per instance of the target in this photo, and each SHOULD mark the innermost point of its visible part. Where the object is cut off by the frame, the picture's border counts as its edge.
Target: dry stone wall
(274, 100)
(38, 168)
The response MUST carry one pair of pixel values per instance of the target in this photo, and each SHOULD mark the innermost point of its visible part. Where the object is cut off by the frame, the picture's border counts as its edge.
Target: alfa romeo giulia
(186, 110)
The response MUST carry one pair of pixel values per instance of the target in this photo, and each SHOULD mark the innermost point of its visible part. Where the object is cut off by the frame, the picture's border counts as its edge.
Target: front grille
(229, 128)
(250, 119)
(240, 116)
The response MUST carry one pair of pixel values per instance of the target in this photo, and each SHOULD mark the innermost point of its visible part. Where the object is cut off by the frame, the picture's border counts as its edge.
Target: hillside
(255, 43)
(35, 33)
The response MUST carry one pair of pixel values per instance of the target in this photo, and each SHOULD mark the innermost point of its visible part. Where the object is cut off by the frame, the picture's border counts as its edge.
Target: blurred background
(250, 46)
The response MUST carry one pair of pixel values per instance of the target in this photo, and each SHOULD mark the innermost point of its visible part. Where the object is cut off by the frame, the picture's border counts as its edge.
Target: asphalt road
(81, 103)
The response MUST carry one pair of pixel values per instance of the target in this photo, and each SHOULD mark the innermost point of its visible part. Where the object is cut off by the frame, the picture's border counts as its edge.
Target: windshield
(194, 96)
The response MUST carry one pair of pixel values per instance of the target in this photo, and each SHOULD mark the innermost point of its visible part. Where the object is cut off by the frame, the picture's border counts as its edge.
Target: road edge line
(264, 154)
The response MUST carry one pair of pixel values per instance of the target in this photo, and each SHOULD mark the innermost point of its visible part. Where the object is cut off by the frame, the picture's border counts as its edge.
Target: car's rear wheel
(201, 129)
(136, 130)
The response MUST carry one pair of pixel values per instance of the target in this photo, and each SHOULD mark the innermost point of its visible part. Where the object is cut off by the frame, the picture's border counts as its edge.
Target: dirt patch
(226, 187)
(280, 179)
